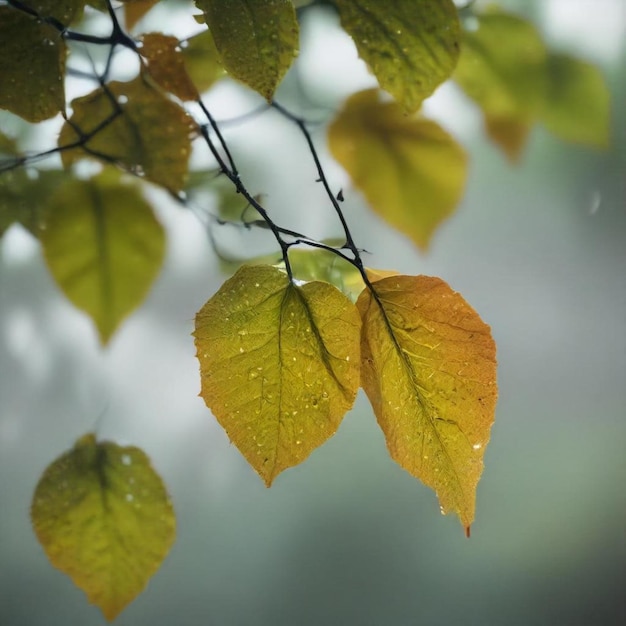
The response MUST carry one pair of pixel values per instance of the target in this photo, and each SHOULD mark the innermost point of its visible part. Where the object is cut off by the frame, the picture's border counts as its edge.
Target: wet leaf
(412, 46)
(134, 10)
(65, 11)
(166, 65)
(103, 517)
(32, 67)
(279, 364)
(577, 105)
(103, 246)
(135, 125)
(410, 170)
(202, 61)
(429, 370)
(257, 39)
(502, 67)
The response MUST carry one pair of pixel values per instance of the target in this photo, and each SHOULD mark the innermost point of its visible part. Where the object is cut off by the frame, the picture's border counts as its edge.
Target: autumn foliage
(285, 344)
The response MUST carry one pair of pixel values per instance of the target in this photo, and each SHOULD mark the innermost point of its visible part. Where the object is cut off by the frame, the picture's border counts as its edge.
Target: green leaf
(429, 371)
(165, 64)
(503, 69)
(410, 170)
(104, 518)
(412, 46)
(65, 11)
(279, 364)
(103, 247)
(135, 125)
(202, 61)
(32, 67)
(257, 39)
(577, 106)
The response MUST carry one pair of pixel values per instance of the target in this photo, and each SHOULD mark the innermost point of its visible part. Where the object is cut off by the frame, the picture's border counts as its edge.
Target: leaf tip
(468, 531)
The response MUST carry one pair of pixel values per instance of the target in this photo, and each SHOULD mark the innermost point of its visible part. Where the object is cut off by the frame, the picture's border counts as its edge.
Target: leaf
(429, 371)
(279, 364)
(103, 246)
(32, 67)
(257, 39)
(135, 125)
(103, 517)
(65, 11)
(134, 10)
(412, 46)
(502, 67)
(202, 61)
(410, 170)
(577, 106)
(166, 65)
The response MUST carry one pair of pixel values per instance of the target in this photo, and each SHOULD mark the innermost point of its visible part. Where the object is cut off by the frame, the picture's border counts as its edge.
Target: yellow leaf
(257, 39)
(103, 517)
(577, 105)
(202, 61)
(103, 246)
(135, 125)
(429, 370)
(410, 170)
(134, 10)
(279, 364)
(509, 134)
(32, 67)
(411, 45)
(166, 65)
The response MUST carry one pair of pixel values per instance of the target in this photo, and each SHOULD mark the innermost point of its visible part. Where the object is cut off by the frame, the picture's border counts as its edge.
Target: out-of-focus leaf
(412, 46)
(257, 39)
(104, 518)
(135, 125)
(65, 11)
(134, 10)
(202, 61)
(103, 246)
(509, 134)
(279, 364)
(410, 170)
(24, 196)
(503, 69)
(32, 66)
(429, 371)
(577, 106)
(166, 65)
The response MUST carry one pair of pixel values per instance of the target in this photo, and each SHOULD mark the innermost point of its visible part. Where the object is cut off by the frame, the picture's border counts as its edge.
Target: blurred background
(348, 537)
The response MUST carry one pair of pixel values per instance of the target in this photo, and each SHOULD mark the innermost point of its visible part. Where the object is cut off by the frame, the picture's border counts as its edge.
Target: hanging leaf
(135, 125)
(64, 11)
(279, 364)
(202, 61)
(103, 517)
(134, 10)
(412, 46)
(429, 370)
(410, 170)
(32, 67)
(103, 246)
(577, 106)
(257, 39)
(503, 68)
(166, 65)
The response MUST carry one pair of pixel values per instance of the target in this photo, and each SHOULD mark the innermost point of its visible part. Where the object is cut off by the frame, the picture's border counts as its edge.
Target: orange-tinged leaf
(166, 65)
(257, 39)
(134, 10)
(103, 246)
(509, 134)
(410, 170)
(135, 125)
(429, 371)
(279, 364)
(32, 66)
(411, 45)
(104, 518)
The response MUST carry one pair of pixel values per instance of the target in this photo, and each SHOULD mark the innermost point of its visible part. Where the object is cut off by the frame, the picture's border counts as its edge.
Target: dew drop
(129, 497)
(126, 460)
(477, 446)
